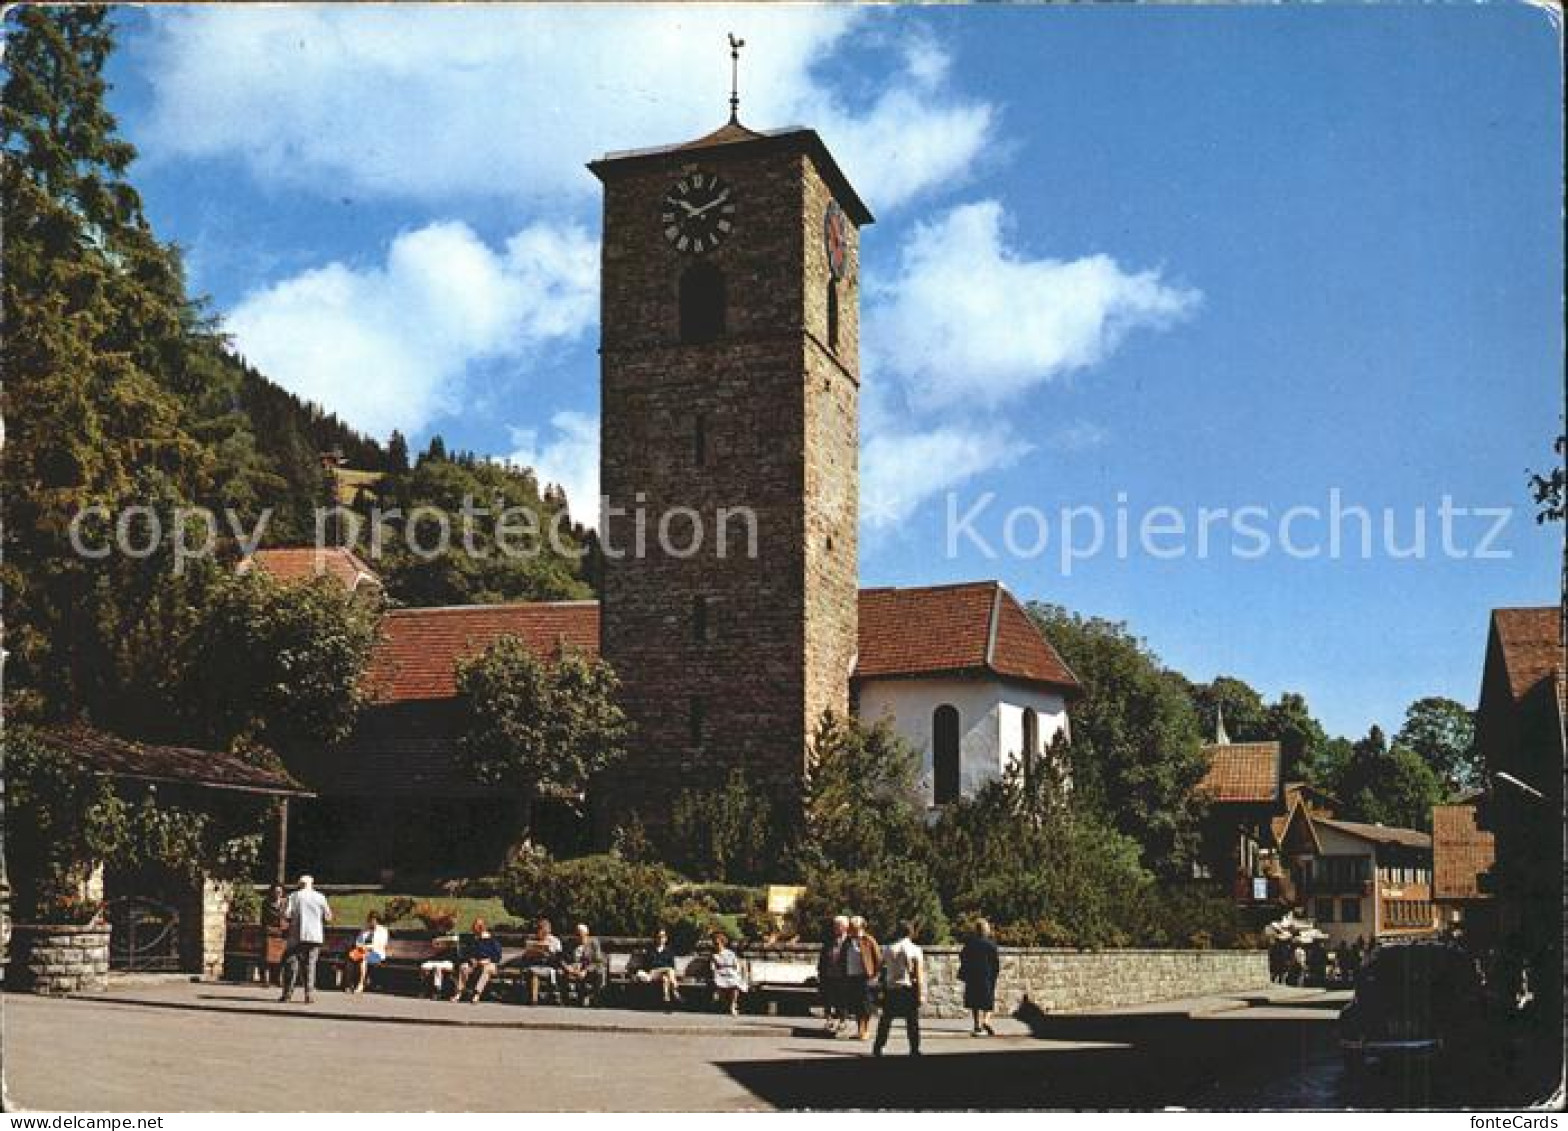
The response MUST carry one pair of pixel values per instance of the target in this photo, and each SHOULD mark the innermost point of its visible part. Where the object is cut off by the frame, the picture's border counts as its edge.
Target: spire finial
(1220, 737)
(735, 46)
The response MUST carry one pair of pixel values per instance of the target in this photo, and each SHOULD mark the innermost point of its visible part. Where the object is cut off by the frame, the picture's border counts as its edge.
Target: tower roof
(737, 140)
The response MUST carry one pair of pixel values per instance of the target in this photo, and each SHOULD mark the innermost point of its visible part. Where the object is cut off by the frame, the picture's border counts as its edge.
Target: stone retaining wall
(51, 959)
(1065, 980)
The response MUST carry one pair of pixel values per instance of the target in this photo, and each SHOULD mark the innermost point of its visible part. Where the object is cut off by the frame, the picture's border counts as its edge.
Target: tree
(1442, 732)
(732, 834)
(862, 806)
(1301, 737)
(397, 452)
(1136, 742)
(1551, 490)
(536, 727)
(1388, 786)
(278, 663)
(526, 562)
(1245, 717)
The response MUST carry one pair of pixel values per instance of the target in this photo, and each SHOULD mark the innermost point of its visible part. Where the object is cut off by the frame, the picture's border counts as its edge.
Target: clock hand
(714, 203)
(690, 211)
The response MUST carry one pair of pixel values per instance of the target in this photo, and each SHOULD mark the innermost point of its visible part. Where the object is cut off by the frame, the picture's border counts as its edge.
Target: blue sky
(1191, 257)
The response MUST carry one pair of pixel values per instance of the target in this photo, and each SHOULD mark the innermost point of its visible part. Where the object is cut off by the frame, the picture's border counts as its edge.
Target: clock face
(698, 213)
(835, 236)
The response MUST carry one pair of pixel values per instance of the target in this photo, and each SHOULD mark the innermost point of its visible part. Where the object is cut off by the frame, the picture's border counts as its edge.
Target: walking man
(305, 915)
(904, 976)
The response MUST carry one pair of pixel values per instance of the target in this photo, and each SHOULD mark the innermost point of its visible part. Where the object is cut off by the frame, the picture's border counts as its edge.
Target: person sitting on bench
(433, 970)
(540, 959)
(483, 957)
(657, 964)
(585, 966)
(728, 980)
(369, 949)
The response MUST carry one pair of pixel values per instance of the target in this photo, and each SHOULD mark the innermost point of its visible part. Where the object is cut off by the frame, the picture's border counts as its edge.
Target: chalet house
(1357, 880)
(1519, 729)
(1245, 795)
(960, 671)
(1463, 851)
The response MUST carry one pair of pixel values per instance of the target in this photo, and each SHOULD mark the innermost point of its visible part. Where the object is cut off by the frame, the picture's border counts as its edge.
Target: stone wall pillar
(204, 917)
(48, 958)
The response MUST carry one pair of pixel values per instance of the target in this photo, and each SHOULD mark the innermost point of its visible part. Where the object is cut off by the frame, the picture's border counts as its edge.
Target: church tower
(730, 383)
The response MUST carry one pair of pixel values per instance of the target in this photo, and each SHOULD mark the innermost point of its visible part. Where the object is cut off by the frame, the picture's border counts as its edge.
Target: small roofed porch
(194, 827)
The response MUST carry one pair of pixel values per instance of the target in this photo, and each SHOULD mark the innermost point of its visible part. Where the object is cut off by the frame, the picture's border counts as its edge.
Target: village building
(1245, 795)
(1357, 880)
(1463, 851)
(1519, 732)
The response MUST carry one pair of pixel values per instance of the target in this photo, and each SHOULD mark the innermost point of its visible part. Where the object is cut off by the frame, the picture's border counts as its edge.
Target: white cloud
(569, 457)
(967, 320)
(387, 346)
(902, 470)
(434, 101)
(963, 329)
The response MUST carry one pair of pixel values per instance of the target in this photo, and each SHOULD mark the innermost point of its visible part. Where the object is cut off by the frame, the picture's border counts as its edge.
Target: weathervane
(735, 46)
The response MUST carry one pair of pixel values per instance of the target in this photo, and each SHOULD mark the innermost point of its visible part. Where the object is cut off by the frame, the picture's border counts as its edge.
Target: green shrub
(689, 922)
(1199, 916)
(731, 899)
(757, 924)
(730, 833)
(613, 896)
(244, 904)
(898, 890)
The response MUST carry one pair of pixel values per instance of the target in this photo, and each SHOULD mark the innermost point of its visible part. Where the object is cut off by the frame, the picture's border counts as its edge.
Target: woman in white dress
(728, 980)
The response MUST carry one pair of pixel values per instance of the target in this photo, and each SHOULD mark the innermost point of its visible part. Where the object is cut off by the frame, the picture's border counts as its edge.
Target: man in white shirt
(904, 975)
(305, 915)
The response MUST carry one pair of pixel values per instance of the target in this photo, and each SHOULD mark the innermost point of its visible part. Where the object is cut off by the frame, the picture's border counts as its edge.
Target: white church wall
(990, 721)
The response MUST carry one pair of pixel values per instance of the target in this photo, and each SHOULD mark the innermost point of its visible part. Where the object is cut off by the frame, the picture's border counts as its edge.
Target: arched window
(944, 754)
(833, 314)
(1031, 741)
(702, 304)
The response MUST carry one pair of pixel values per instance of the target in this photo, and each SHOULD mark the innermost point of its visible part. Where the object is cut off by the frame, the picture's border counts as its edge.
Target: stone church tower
(730, 392)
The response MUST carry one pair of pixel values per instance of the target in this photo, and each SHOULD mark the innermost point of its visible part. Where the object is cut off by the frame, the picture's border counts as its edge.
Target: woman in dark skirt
(979, 963)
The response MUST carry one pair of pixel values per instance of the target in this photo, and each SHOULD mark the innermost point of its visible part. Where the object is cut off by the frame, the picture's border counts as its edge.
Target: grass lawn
(351, 909)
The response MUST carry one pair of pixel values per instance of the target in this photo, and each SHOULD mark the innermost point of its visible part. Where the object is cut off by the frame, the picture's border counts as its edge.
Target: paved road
(228, 1048)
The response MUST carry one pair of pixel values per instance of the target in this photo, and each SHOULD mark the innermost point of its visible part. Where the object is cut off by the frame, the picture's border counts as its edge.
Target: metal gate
(144, 934)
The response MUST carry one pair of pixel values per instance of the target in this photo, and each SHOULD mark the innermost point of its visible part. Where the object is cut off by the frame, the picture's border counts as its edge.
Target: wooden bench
(775, 982)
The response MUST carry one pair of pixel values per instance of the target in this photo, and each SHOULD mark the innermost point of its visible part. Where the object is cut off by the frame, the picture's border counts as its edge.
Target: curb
(317, 1013)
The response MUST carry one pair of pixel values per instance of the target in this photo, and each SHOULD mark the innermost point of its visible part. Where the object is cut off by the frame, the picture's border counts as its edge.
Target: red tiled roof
(1242, 771)
(970, 628)
(118, 757)
(1461, 852)
(1531, 645)
(305, 562)
(976, 628)
(419, 649)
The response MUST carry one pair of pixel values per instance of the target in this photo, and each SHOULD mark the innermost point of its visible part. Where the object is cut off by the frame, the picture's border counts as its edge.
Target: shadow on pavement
(1244, 1059)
